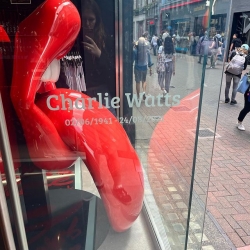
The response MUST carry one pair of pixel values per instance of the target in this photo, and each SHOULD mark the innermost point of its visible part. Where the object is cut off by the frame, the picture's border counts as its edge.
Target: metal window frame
(12, 185)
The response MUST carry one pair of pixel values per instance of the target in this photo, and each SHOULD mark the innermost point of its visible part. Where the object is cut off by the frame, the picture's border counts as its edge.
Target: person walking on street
(164, 35)
(244, 111)
(145, 35)
(174, 41)
(154, 43)
(236, 43)
(202, 46)
(169, 62)
(159, 41)
(214, 50)
(142, 61)
(160, 69)
(234, 70)
(191, 42)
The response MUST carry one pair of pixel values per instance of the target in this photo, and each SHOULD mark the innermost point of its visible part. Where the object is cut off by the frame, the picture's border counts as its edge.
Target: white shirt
(164, 35)
(154, 40)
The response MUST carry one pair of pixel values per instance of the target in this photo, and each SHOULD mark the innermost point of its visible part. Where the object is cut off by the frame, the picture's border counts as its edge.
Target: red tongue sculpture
(92, 133)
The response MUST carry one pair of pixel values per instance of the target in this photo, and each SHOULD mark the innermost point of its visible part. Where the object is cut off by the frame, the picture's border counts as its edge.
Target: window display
(94, 134)
(80, 126)
(91, 149)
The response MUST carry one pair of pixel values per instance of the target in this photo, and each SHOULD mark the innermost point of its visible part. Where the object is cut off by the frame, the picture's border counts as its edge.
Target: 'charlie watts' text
(86, 103)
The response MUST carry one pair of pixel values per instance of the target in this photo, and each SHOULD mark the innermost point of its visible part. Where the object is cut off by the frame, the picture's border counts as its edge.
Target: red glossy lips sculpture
(49, 33)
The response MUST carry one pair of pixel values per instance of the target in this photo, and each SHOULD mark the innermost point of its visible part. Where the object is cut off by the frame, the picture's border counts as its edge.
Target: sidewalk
(170, 158)
(229, 190)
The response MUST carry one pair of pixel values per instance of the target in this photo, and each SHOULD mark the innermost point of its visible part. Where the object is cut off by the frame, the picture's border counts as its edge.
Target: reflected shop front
(100, 147)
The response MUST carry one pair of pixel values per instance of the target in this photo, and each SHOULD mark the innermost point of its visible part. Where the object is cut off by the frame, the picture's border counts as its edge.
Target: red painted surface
(8, 109)
(205, 19)
(3, 35)
(173, 139)
(49, 33)
(244, 248)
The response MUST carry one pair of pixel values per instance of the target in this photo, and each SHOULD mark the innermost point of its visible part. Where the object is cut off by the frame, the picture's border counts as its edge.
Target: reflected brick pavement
(229, 184)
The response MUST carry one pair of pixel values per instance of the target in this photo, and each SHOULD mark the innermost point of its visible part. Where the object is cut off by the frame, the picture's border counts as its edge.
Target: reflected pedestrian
(154, 43)
(202, 46)
(193, 45)
(169, 62)
(160, 69)
(214, 49)
(142, 61)
(174, 40)
(159, 41)
(165, 34)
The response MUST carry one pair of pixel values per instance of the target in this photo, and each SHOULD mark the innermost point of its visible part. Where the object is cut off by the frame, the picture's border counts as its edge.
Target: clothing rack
(73, 58)
(73, 70)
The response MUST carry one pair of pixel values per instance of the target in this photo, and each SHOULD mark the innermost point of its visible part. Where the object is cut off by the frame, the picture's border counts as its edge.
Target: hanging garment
(73, 70)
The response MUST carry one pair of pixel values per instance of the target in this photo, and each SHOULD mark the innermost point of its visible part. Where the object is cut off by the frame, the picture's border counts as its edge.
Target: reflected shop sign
(179, 10)
(200, 7)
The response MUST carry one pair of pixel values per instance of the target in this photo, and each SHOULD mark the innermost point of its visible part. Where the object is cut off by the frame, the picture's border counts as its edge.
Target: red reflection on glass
(205, 19)
(8, 109)
(65, 181)
(53, 143)
(3, 35)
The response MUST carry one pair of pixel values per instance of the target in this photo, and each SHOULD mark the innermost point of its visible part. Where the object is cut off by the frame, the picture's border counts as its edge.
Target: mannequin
(45, 35)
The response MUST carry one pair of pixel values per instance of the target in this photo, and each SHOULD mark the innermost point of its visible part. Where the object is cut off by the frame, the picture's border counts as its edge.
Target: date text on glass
(137, 119)
(93, 121)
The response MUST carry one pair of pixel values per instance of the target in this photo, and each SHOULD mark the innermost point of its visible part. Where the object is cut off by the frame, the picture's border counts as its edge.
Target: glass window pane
(111, 109)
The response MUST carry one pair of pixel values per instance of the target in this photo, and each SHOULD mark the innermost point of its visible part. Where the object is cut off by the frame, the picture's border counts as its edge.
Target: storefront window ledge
(154, 220)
